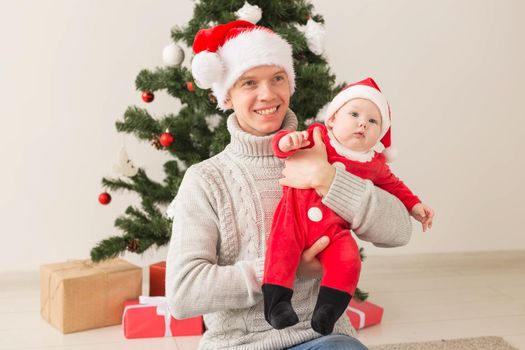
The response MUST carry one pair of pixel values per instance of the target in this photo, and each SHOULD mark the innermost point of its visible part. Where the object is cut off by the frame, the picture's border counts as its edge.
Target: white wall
(452, 70)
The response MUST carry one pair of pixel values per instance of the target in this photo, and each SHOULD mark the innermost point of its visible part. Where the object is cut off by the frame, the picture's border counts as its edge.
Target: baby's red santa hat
(225, 52)
(367, 89)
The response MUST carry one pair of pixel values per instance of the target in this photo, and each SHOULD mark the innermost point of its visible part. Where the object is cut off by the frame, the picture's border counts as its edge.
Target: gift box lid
(159, 265)
(149, 318)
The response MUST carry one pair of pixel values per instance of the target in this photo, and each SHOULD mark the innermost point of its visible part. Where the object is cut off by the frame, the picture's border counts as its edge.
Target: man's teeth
(266, 111)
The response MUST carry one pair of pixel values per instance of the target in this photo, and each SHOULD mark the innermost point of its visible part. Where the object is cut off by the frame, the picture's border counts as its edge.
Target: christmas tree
(198, 131)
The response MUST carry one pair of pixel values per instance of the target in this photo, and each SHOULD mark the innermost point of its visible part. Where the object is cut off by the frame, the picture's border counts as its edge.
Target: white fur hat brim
(247, 50)
(361, 91)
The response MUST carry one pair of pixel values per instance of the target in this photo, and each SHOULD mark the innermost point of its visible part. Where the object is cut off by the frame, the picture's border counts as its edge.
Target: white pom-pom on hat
(207, 68)
(390, 154)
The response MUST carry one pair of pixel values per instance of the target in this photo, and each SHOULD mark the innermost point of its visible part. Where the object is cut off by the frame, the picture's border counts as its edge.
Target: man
(223, 211)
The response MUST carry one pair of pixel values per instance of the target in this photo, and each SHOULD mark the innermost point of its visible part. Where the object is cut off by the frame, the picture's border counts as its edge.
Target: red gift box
(157, 276)
(364, 314)
(148, 317)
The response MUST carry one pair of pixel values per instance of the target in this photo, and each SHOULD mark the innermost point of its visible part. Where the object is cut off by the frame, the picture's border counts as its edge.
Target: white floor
(426, 297)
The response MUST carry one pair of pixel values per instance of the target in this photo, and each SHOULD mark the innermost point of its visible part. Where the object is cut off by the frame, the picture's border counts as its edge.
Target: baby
(357, 119)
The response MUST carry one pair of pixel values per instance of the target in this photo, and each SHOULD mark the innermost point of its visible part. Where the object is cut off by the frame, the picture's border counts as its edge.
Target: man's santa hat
(225, 52)
(369, 90)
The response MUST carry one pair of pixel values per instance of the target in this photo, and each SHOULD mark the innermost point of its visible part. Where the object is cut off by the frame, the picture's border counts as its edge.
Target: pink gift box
(364, 314)
(148, 317)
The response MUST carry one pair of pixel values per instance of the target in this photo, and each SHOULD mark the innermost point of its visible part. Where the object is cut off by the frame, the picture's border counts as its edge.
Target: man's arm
(376, 216)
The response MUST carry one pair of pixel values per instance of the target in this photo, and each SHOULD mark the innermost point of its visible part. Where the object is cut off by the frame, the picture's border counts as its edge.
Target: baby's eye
(372, 121)
(354, 114)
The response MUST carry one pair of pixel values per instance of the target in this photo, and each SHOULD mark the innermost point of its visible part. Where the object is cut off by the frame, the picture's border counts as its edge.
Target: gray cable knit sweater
(222, 216)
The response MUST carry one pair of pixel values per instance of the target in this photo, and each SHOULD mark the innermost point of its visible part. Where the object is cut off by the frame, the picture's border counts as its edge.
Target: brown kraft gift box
(79, 295)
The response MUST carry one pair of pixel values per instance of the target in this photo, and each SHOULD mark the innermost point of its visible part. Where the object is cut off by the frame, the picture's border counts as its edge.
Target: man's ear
(228, 102)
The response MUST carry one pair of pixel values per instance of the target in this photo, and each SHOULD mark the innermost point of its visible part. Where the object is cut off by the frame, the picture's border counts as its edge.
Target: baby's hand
(294, 140)
(424, 214)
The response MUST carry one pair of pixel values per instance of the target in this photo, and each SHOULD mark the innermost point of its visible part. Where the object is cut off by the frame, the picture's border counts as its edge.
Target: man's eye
(279, 78)
(249, 83)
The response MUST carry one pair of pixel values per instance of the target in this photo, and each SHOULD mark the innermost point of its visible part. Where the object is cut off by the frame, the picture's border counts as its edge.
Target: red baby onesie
(301, 219)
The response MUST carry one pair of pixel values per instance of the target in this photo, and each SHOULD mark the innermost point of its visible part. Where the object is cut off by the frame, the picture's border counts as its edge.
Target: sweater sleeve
(195, 283)
(376, 215)
(392, 184)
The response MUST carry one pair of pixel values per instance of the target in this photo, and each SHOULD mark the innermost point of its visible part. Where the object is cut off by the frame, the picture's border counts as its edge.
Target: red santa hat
(225, 52)
(369, 90)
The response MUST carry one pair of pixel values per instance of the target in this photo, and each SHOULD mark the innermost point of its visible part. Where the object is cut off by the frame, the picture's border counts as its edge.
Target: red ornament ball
(189, 86)
(166, 139)
(104, 198)
(147, 96)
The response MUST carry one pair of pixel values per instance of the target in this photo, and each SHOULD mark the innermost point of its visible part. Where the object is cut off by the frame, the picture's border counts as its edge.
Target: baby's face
(357, 125)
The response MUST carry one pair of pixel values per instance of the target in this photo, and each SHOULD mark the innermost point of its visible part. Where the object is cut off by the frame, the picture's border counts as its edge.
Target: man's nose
(266, 92)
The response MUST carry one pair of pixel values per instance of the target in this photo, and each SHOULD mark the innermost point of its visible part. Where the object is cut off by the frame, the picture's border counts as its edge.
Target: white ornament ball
(315, 34)
(125, 166)
(173, 55)
(249, 13)
(309, 121)
(213, 121)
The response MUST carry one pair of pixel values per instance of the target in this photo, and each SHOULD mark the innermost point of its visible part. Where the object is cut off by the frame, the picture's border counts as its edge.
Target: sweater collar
(246, 144)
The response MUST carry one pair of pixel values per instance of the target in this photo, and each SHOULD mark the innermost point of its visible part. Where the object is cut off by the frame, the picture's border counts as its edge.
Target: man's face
(260, 99)
(357, 125)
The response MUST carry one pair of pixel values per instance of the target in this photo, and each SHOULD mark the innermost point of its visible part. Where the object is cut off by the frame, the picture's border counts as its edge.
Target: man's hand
(310, 266)
(309, 168)
(424, 214)
(294, 140)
